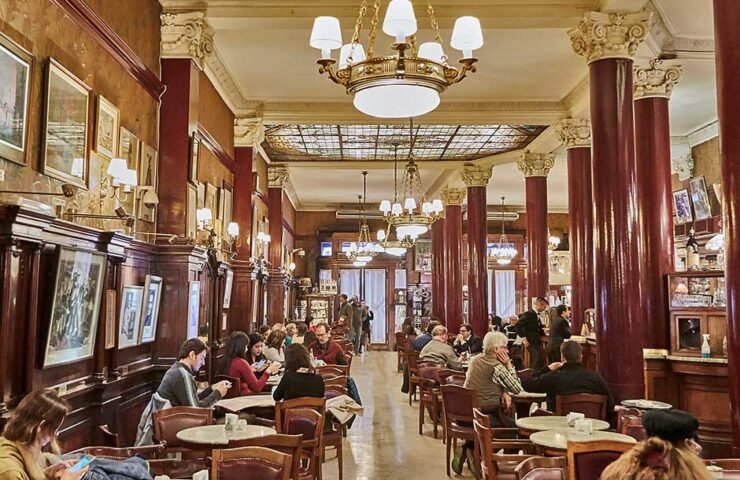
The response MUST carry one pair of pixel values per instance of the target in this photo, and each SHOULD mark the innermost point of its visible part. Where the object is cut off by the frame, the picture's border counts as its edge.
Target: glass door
(349, 284)
(375, 297)
(505, 285)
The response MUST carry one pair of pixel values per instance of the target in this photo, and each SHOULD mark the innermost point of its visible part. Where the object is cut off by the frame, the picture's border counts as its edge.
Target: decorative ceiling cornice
(476, 175)
(248, 131)
(223, 80)
(186, 35)
(656, 80)
(278, 176)
(665, 41)
(609, 35)
(535, 164)
(575, 132)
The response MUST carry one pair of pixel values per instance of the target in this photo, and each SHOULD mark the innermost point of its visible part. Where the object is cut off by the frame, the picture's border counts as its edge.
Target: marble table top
(528, 395)
(218, 435)
(554, 422)
(558, 439)
(645, 404)
(244, 402)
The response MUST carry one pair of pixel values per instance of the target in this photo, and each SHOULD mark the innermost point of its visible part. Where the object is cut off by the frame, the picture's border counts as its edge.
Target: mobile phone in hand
(84, 462)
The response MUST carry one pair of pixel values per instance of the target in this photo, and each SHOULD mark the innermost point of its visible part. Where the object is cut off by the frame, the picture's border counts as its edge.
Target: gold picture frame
(107, 124)
(16, 70)
(148, 171)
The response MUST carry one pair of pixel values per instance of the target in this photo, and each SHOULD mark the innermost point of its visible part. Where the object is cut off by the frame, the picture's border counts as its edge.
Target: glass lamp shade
(431, 51)
(364, 258)
(130, 178)
(291, 267)
(233, 229)
(400, 20)
(411, 230)
(354, 50)
(385, 206)
(426, 208)
(397, 251)
(117, 168)
(381, 235)
(396, 101)
(437, 206)
(409, 204)
(326, 33)
(397, 209)
(467, 35)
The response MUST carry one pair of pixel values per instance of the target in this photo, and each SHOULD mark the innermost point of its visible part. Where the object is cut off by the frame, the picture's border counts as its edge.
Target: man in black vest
(530, 329)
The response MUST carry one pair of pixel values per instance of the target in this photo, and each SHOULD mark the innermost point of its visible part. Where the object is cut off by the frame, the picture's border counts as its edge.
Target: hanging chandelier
(364, 250)
(396, 248)
(413, 218)
(503, 251)
(406, 83)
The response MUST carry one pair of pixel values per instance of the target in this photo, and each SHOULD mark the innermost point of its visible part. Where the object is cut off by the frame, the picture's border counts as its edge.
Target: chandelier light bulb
(381, 235)
(409, 204)
(437, 206)
(397, 209)
(355, 51)
(385, 207)
(400, 20)
(467, 36)
(326, 35)
(432, 51)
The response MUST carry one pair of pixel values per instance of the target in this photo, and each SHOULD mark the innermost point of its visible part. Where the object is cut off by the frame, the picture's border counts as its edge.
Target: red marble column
(535, 167)
(453, 198)
(654, 202)
(616, 224)
(276, 287)
(476, 179)
(576, 136)
(727, 44)
(438, 268)
(242, 289)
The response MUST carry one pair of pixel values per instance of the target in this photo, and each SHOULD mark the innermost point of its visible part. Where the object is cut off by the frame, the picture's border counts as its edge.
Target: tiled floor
(385, 444)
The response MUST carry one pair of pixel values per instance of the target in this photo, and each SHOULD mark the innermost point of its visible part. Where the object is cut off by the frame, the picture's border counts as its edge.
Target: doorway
(371, 285)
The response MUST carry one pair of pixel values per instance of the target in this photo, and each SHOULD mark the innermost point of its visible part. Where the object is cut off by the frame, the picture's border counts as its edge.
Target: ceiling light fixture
(364, 250)
(407, 83)
(503, 251)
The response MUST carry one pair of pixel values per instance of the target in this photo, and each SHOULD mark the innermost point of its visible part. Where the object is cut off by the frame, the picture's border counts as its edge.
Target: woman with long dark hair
(299, 379)
(235, 365)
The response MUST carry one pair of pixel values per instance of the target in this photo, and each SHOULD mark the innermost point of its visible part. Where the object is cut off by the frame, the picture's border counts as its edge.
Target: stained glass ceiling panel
(285, 143)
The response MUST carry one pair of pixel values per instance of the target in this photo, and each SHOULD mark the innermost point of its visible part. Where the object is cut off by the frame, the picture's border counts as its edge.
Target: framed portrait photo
(227, 288)
(423, 256)
(108, 121)
(192, 225)
(75, 309)
(15, 77)
(147, 179)
(682, 206)
(193, 308)
(150, 308)
(64, 151)
(700, 198)
(211, 199)
(129, 318)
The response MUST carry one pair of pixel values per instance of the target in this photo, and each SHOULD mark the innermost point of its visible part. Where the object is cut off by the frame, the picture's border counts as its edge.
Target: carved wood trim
(84, 16)
(215, 148)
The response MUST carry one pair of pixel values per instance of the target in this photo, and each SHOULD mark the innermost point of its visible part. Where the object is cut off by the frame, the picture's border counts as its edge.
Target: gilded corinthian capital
(575, 132)
(186, 35)
(657, 80)
(476, 176)
(277, 176)
(535, 164)
(248, 132)
(609, 35)
(453, 196)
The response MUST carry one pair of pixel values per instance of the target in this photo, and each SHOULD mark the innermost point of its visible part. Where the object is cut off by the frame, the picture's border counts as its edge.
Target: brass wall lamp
(121, 214)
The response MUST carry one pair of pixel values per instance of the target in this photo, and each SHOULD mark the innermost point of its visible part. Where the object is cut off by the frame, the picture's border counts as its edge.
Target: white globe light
(396, 101)
(467, 35)
(400, 21)
(326, 33)
(432, 51)
(354, 50)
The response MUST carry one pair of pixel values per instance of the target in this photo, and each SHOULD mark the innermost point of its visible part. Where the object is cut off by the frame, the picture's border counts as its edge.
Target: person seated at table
(234, 364)
(301, 329)
(275, 351)
(407, 327)
(178, 383)
(467, 342)
(439, 351)
(340, 327)
(265, 332)
(569, 377)
(669, 453)
(326, 349)
(255, 357)
(290, 330)
(300, 379)
(421, 341)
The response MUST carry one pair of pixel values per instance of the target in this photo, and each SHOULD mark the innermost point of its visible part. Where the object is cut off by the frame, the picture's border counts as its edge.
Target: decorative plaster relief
(187, 35)
(575, 132)
(656, 80)
(536, 164)
(609, 35)
(476, 176)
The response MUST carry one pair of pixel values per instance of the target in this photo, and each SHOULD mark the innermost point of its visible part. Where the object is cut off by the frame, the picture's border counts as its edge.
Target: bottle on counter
(705, 351)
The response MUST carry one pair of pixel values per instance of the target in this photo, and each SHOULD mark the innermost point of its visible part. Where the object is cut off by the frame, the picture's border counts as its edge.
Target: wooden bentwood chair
(586, 460)
(287, 444)
(260, 462)
(304, 416)
(592, 406)
(457, 406)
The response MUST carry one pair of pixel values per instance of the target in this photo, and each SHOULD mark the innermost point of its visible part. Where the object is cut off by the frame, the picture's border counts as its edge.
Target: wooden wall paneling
(240, 310)
(243, 205)
(9, 269)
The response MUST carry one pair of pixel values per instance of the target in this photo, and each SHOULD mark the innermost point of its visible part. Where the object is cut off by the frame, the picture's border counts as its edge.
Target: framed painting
(110, 319)
(129, 319)
(150, 308)
(682, 206)
(201, 195)
(210, 200)
(192, 225)
(15, 75)
(193, 308)
(75, 309)
(227, 288)
(423, 256)
(108, 121)
(700, 198)
(66, 116)
(147, 179)
(226, 204)
(128, 148)
(193, 170)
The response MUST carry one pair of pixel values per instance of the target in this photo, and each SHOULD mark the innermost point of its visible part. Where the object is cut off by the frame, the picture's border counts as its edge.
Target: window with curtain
(491, 293)
(375, 297)
(349, 282)
(505, 292)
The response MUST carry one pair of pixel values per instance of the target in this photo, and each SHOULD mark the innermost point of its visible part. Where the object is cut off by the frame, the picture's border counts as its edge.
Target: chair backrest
(524, 374)
(589, 404)
(260, 462)
(110, 438)
(332, 391)
(333, 370)
(586, 460)
(451, 377)
(412, 359)
(401, 340)
(336, 380)
(542, 468)
(236, 387)
(625, 411)
(430, 373)
(632, 426)
(170, 421)
(485, 451)
(288, 444)
(122, 453)
(281, 409)
(458, 403)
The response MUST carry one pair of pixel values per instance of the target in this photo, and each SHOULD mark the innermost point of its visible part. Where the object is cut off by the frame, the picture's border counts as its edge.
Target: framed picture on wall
(15, 74)
(211, 199)
(682, 206)
(700, 198)
(150, 308)
(75, 308)
(129, 318)
(423, 256)
(147, 180)
(201, 195)
(193, 308)
(107, 123)
(193, 165)
(227, 288)
(128, 148)
(226, 201)
(192, 225)
(64, 151)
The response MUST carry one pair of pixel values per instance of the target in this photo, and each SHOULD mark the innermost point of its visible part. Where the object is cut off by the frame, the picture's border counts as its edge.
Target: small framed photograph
(150, 308)
(106, 128)
(193, 308)
(700, 198)
(193, 170)
(64, 151)
(148, 179)
(227, 288)
(211, 199)
(128, 148)
(15, 77)
(110, 319)
(682, 206)
(130, 316)
(191, 213)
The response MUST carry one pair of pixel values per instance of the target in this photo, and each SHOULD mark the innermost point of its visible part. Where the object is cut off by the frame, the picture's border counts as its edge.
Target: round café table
(554, 443)
(523, 401)
(528, 425)
(645, 404)
(215, 436)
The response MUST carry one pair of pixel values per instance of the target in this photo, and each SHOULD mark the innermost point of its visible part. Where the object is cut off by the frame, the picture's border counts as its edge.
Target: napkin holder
(572, 417)
(584, 427)
(231, 420)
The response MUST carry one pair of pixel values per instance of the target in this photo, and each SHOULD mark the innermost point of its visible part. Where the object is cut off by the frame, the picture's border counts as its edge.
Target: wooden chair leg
(435, 417)
(421, 416)
(447, 465)
(340, 461)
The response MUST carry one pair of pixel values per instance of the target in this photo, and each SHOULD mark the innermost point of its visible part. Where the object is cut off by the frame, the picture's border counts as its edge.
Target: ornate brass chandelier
(364, 250)
(503, 251)
(413, 218)
(406, 83)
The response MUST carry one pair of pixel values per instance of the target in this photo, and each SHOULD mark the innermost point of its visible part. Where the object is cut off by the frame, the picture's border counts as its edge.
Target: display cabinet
(320, 307)
(696, 302)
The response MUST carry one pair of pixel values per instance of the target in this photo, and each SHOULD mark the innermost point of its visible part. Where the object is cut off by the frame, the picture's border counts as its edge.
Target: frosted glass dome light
(396, 101)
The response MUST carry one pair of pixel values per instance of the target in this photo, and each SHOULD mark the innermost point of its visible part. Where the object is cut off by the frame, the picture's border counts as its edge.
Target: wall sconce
(232, 238)
(121, 214)
(263, 239)
(118, 174)
(204, 217)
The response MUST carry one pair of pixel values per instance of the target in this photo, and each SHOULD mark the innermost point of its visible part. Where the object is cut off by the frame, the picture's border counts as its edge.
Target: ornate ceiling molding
(476, 175)
(609, 35)
(223, 80)
(665, 41)
(453, 196)
(278, 176)
(248, 132)
(187, 35)
(656, 80)
(683, 166)
(535, 164)
(575, 132)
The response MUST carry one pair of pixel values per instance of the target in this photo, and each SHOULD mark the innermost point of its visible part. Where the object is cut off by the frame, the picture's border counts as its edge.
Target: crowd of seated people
(236, 365)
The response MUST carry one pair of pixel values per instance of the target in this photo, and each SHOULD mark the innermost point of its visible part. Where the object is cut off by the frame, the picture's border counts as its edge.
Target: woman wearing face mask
(32, 427)
(235, 365)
